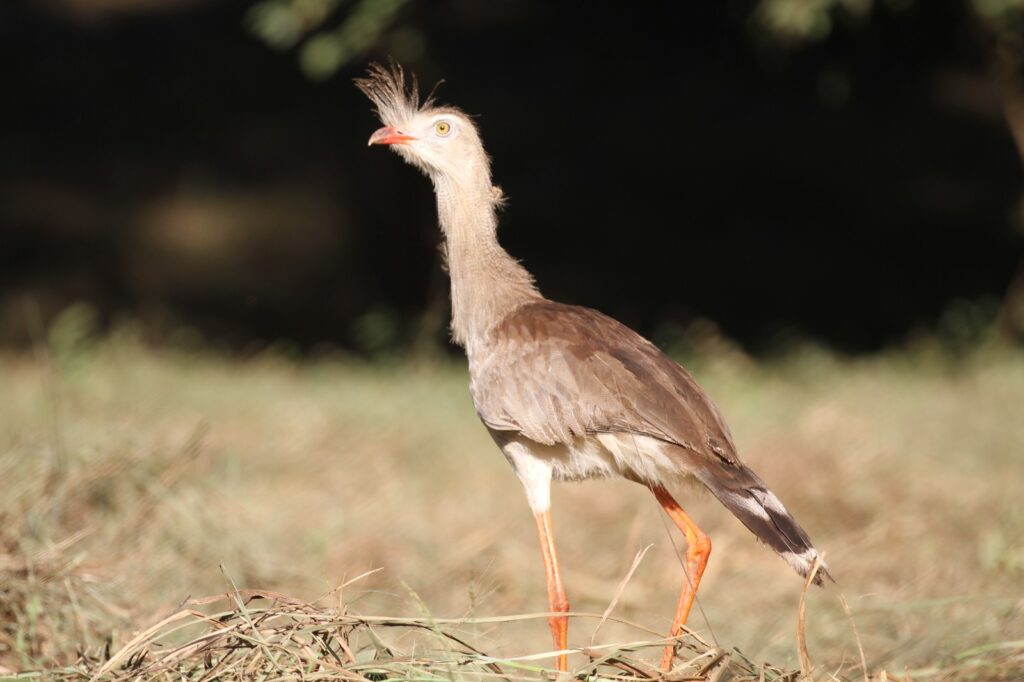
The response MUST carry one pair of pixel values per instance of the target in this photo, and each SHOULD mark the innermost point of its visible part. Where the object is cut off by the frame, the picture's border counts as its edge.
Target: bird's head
(440, 141)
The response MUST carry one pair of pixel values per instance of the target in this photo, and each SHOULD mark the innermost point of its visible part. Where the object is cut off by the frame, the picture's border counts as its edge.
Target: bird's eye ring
(442, 128)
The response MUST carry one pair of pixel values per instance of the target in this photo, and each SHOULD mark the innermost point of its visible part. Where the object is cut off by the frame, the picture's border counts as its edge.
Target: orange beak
(389, 135)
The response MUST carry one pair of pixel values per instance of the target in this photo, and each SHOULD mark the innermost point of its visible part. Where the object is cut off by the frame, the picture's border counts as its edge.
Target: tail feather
(747, 497)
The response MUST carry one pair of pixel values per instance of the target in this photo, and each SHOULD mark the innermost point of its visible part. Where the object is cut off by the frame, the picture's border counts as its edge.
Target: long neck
(487, 283)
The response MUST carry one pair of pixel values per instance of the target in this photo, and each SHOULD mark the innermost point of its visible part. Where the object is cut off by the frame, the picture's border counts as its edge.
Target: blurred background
(846, 171)
(223, 319)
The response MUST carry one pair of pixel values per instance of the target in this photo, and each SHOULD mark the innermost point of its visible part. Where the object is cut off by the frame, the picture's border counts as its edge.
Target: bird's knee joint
(702, 544)
(560, 605)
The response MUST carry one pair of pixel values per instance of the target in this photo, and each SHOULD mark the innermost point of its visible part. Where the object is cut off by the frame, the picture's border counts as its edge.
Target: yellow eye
(442, 128)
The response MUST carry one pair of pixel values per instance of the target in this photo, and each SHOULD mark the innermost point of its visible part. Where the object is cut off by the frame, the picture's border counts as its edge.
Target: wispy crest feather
(395, 99)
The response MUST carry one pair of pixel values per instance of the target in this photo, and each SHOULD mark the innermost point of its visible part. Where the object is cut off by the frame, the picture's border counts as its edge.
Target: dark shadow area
(661, 166)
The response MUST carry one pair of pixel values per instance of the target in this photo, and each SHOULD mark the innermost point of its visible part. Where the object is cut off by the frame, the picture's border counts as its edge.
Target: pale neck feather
(487, 283)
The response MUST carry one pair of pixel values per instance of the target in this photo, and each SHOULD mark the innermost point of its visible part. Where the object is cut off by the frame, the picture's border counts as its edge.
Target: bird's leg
(698, 549)
(557, 601)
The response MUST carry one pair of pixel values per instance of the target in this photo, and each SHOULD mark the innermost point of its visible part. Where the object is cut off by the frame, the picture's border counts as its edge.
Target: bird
(566, 392)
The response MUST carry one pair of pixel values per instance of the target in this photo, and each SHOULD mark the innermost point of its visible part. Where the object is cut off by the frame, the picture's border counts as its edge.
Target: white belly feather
(606, 455)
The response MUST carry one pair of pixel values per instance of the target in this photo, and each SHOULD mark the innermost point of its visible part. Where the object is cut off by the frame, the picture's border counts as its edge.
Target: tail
(748, 498)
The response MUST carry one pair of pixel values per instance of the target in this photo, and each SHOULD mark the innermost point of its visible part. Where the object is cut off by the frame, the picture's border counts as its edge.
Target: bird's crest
(395, 99)
(397, 102)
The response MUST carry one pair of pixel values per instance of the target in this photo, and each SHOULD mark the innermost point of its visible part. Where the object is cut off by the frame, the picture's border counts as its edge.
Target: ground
(135, 478)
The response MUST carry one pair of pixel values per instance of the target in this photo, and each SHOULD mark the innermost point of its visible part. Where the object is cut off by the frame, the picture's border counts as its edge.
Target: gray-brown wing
(554, 372)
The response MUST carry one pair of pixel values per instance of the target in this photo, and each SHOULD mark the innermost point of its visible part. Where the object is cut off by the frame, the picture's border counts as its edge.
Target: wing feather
(579, 372)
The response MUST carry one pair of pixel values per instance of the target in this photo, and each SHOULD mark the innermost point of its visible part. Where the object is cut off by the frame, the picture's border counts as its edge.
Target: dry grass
(263, 635)
(131, 475)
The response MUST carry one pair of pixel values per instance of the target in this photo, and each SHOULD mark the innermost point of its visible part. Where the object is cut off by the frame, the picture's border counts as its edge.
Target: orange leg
(557, 602)
(698, 549)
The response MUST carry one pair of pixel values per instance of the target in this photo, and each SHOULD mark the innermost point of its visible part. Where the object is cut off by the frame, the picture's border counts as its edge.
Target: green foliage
(1003, 14)
(323, 49)
(967, 324)
(71, 335)
(283, 23)
(793, 23)
(377, 332)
